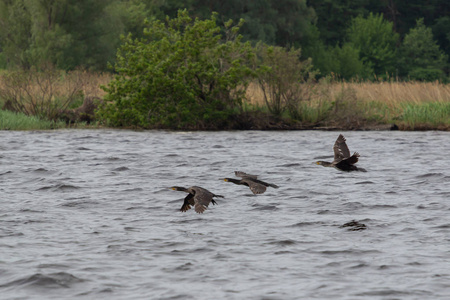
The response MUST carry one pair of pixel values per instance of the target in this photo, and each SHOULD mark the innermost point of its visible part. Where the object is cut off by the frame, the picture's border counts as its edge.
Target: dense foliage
(183, 73)
(352, 38)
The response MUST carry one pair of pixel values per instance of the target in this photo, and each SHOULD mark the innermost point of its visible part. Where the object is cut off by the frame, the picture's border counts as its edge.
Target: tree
(66, 33)
(422, 58)
(276, 22)
(182, 74)
(15, 32)
(334, 17)
(346, 63)
(376, 41)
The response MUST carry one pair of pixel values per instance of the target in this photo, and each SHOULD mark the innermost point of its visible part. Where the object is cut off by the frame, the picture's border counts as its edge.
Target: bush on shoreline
(183, 74)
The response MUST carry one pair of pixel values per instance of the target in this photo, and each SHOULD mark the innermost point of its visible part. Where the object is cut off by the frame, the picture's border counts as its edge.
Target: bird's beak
(224, 179)
(317, 163)
(172, 188)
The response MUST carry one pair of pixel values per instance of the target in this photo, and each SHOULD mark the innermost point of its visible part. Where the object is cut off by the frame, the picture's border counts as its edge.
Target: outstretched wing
(353, 159)
(188, 201)
(255, 187)
(340, 149)
(244, 175)
(202, 199)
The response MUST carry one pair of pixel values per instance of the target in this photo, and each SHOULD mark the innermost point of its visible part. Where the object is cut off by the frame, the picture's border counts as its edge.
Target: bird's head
(178, 188)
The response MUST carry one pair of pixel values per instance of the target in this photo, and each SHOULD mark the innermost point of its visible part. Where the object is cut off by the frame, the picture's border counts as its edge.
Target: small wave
(120, 169)
(218, 147)
(443, 226)
(9, 233)
(304, 224)
(85, 137)
(63, 187)
(133, 190)
(432, 206)
(283, 252)
(360, 265)
(430, 175)
(182, 165)
(7, 172)
(328, 212)
(135, 207)
(290, 165)
(58, 187)
(83, 149)
(188, 221)
(264, 207)
(112, 158)
(80, 204)
(365, 182)
(30, 210)
(349, 251)
(390, 292)
(383, 206)
(185, 267)
(60, 279)
(282, 243)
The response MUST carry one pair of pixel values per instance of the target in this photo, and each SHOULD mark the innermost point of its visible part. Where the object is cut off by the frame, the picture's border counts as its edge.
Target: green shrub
(426, 74)
(284, 79)
(183, 73)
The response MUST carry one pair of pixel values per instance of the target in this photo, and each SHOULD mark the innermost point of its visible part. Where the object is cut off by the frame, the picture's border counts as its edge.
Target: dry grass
(393, 94)
(91, 84)
(396, 93)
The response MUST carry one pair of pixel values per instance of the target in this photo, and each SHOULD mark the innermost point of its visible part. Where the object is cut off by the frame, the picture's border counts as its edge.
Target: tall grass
(394, 93)
(432, 114)
(410, 105)
(18, 121)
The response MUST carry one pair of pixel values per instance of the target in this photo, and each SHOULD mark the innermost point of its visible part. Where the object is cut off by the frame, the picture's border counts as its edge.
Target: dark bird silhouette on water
(342, 159)
(255, 185)
(197, 197)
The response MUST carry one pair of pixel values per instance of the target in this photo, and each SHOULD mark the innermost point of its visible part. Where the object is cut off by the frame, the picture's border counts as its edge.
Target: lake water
(88, 214)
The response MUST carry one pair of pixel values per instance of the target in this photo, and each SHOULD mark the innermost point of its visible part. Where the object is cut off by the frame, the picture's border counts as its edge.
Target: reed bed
(393, 94)
(410, 105)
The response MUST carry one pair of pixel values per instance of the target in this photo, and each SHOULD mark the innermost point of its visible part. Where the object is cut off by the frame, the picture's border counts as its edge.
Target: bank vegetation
(330, 105)
(192, 74)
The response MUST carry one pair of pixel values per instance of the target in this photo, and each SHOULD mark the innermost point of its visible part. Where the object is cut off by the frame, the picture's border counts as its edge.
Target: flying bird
(342, 159)
(255, 185)
(197, 197)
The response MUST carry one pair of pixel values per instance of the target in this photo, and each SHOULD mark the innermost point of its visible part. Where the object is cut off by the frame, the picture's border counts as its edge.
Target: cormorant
(342, 159)
(198, 197)
(255, 185)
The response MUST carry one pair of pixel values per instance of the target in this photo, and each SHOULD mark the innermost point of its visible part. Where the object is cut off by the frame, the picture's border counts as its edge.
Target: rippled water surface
(89, 215)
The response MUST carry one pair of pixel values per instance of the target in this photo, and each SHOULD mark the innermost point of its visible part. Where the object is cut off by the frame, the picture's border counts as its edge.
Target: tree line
(349, 39)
